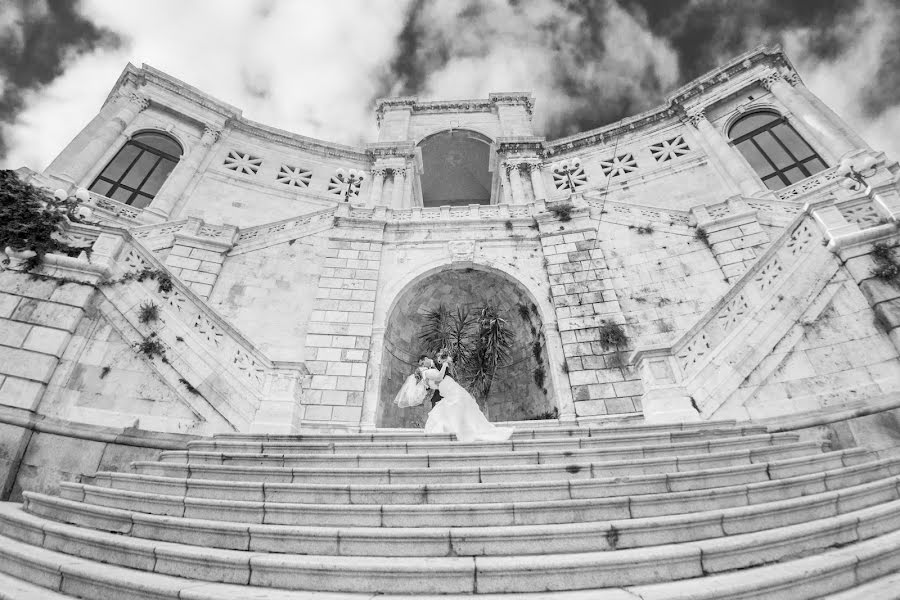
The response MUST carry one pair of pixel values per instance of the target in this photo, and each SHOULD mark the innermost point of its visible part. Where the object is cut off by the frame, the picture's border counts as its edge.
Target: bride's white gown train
(458, 413)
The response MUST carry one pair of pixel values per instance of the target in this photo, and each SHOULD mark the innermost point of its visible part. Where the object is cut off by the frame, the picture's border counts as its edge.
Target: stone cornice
(675, 107)
(508, 145)
(391, 149)
(313, 145)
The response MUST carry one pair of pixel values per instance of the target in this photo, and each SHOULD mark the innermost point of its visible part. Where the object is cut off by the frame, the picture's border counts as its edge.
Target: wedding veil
(412, 393)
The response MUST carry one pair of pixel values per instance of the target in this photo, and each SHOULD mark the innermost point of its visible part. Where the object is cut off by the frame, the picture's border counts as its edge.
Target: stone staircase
(597, 510)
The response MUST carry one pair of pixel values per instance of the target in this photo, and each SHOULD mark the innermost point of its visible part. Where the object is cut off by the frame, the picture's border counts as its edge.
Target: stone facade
(295, 263)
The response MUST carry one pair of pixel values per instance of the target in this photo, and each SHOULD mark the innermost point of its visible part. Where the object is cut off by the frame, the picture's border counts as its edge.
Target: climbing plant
(30, 219)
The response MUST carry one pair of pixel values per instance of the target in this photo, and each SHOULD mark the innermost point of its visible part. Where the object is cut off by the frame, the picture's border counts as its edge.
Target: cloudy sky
(315, 67)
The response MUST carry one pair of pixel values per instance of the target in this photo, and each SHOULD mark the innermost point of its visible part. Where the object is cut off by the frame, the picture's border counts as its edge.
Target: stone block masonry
(339, 333)
(37, 318)
(585, 302)
(197, 260)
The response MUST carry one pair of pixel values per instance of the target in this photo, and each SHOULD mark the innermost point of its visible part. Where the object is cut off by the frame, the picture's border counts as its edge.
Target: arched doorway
(456, 168)
(522, 387)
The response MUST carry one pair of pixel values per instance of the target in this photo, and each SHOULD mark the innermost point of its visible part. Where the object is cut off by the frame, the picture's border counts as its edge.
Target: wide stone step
(517, 512)
(481, 474)
(590, 532)
(882, 588)
(409, 435)
(16, 589)
(421, 575)
(597, 440)
(819, 469)
(800, 579)
(371, 459)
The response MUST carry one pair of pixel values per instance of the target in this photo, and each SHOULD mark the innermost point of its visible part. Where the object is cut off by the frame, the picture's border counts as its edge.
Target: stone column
(831, 138)
(537, 182)
(377, 187)
(125, 107)
(182, 175)
(747, 180)
(515, 180)
(399, 187)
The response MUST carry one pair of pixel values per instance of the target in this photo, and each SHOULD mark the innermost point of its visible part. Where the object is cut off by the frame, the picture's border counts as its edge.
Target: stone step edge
(76, 492)
(800, 579)
(882, 588)
(508, 574)
(761, 441)
(18, 589)
(606, 534)
(521, 433)
(527, 443)
(849, 458)
(811, 446)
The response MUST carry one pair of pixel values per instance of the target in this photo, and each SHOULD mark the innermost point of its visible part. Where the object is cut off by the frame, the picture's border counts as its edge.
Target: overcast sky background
(315, 67)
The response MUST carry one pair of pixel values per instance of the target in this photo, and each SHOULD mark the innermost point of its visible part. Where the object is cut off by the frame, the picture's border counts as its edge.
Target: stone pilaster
(537, 182)
(399, 191)
(515, 180)
(585, 302)
(118, 115)
(375, 192)
(198, 253)
(185, 171)
(833, 142)
(747, 182)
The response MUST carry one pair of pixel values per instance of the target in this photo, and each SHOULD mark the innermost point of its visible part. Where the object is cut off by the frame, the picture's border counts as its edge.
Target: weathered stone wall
(840, 359)
(268, 294)
(37, 319)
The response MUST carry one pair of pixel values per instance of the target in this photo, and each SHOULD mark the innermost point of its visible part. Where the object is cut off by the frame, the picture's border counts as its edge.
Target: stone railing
(115, 211)
(165, 229)
(814, 182)
(249, 390)
(261, 236)
(639, 214)
(691, 377)
(471, 212)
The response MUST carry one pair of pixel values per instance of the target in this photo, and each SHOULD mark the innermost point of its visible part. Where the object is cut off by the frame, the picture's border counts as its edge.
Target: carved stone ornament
(462, 251)
(141, 102)
(210, 136)
(770, 79)
(696, 117)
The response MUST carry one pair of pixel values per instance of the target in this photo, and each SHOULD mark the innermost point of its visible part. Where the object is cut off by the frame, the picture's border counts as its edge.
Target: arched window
(774, 149)
(139, 169)
(455, 169)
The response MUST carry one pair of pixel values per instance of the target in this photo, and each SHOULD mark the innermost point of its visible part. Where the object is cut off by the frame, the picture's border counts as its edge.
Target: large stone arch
(394, 291)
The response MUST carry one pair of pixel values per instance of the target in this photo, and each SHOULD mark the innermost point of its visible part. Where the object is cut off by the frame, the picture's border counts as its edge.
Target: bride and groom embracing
(454, 410)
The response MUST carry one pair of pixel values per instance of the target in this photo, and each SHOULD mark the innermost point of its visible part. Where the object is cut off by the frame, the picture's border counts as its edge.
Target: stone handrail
(639, 213)
(473, 212)
(813, 182)
(252, 385)
(251, 234)
(242, 356)
(686, 368)
(165, 228)
(780, 257)
(116, 209)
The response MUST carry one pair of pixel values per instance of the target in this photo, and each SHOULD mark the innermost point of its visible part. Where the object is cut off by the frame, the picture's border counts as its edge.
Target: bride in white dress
(456, 413)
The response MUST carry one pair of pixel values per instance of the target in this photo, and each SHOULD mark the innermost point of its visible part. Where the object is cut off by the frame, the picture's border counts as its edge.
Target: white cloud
(314, 59)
